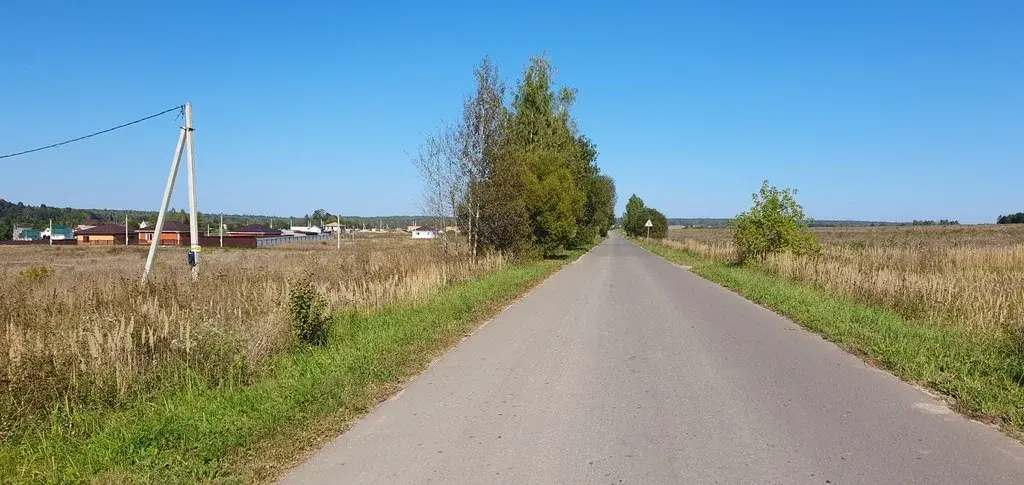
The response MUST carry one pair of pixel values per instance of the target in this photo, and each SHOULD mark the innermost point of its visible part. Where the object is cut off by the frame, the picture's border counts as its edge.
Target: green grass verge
(982, 373)
(250, 433)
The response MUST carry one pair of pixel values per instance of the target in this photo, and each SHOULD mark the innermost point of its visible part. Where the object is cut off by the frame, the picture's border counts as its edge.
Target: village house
(173, 234)
(59, 233)
(26, 234)
(254, 230)
(88, 224)
(424, 232)
(107, 235)
(305, 230)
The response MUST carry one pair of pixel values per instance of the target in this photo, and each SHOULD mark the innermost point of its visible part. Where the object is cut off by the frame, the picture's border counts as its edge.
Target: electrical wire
(108, 130)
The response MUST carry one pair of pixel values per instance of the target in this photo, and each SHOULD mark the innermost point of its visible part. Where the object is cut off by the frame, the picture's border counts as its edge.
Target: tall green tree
(559, 161)
(480, 137)
(519, 178)
(504, 224)
(601, 200)
(635, 217)
(554, 200)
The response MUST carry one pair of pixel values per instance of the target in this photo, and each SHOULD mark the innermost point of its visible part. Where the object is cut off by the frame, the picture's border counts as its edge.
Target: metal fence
(41, 242)
(216, 241)
(266, 242)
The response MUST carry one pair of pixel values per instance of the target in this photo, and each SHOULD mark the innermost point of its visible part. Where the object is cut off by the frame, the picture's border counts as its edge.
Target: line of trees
(22, 215)
(775, 223)
(1017, 218)
(634, 220)
(714, 222)
(38, 217)
(516, 174)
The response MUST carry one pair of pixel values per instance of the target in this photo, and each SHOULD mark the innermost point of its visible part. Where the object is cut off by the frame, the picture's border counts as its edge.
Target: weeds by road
(968, 277)
(982, 371)
(210, 431)
(78, 331)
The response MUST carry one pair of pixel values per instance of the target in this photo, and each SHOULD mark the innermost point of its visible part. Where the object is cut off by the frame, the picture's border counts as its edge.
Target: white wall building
(306, 230)
(60, 233)
(424, 232)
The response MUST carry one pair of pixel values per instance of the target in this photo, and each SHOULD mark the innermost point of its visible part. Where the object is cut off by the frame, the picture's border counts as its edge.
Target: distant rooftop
(169, 226)
(105, 230)
(256, 229)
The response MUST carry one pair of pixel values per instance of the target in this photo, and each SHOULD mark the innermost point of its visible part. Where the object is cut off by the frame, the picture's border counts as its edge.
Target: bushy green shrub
(776, 223)
(659, 228)
(307, 309)
(634, 221)
(36, 273)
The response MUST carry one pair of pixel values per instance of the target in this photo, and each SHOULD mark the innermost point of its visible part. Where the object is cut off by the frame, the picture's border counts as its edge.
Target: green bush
(36, 273)
(776, 223)
(659, 228)
(1017, 336)
(634, 221)
(308, 311)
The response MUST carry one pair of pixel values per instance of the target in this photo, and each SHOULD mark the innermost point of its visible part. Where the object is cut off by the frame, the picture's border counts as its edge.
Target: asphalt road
(624, 368)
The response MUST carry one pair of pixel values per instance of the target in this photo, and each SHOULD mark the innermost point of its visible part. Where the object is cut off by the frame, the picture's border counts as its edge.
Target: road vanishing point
(625, 368)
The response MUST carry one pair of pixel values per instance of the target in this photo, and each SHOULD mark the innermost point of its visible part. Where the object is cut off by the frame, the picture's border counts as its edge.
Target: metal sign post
(649, 225)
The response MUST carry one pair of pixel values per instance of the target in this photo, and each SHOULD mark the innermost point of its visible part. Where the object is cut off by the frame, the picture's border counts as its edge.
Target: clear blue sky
(881, 110)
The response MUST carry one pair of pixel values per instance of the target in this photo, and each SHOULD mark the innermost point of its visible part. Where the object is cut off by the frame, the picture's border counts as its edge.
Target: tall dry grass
(716, 250)
(77, 327)
(970, 277)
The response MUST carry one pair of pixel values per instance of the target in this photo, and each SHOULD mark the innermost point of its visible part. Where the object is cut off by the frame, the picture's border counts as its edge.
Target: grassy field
(942, 306)
(970, 277)
(177, 382)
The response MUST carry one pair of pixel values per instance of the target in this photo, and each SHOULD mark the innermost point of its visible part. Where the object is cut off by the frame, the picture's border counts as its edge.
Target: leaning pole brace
(184, 138)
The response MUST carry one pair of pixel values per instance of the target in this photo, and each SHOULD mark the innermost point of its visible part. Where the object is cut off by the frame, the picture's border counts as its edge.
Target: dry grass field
(968, 277)
(78, 329)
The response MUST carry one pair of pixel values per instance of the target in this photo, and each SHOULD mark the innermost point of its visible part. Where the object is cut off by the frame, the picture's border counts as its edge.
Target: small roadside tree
(635, 217)
(659, 223)
(776, 223)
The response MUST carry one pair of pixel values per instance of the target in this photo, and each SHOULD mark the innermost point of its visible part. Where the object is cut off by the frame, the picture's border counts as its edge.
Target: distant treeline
(38, 217)
(722, 222)
(1017, 218)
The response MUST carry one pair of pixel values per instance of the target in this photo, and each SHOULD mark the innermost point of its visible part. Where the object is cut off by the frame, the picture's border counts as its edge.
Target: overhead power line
(108, 130)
